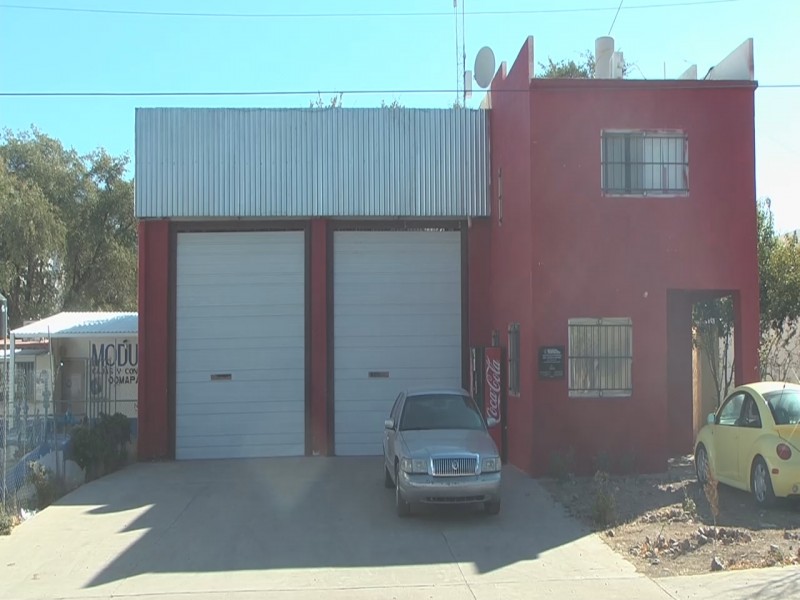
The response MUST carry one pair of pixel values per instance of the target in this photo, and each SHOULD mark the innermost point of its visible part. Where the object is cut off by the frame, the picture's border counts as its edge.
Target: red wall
(154, 285)
(318, 339)
(564, 251)
(498, 248)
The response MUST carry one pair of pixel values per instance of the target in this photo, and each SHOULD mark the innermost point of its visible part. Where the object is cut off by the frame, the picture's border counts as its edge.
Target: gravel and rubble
(664, 524)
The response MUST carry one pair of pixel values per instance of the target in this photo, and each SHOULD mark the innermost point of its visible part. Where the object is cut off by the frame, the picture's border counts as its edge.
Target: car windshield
(440, 411)
(784, 406)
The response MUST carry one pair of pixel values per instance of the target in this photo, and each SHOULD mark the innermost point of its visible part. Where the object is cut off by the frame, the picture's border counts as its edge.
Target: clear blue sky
(82, 51)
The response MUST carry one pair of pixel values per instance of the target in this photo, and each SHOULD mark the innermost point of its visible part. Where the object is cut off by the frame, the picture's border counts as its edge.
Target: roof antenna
(464, 49)
(458, 62)
(615, 17)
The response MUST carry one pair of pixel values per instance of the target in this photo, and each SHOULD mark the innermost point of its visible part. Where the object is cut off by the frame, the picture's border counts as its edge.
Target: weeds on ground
(711, 489)
(7, 520)
(688, 505)
(48, 487)
(604, 510)
(602, 462)
(562, 464)
(102, 447)
(712, 494)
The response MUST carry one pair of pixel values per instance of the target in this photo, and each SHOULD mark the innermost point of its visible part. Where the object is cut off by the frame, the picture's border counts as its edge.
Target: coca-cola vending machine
(487, 374)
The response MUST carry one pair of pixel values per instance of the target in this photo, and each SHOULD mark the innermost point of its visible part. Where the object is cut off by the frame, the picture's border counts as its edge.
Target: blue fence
(17, 476)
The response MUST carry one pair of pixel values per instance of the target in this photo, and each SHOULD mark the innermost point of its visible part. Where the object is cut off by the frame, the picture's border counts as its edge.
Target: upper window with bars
(645, 163)
(600, 357)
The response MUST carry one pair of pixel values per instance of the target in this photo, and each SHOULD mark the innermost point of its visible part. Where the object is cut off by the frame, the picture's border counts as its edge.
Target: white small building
(85, 364)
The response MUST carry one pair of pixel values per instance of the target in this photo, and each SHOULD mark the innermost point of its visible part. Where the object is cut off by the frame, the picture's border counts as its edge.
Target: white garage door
(397, 324)
(240, 333)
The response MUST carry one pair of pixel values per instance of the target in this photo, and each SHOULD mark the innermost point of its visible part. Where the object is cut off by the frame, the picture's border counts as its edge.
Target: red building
(571, 242)
(299, 268)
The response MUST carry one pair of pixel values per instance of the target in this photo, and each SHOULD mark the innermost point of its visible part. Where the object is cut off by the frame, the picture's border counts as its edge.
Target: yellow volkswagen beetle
(752, 442)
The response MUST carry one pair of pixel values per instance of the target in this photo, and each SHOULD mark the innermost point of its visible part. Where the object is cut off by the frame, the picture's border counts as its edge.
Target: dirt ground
(664, 523)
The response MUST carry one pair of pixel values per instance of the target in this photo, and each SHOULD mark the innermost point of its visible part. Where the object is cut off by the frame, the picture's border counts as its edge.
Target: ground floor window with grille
(600, 357)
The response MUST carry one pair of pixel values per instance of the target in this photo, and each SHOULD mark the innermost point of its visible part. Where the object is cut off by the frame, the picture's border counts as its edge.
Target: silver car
(437, 450)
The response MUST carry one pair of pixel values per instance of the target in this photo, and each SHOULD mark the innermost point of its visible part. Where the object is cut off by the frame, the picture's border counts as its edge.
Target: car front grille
(453, 467)
(454, 499)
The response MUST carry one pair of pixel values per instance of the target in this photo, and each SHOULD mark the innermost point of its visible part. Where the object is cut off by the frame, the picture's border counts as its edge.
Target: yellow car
(752, 442)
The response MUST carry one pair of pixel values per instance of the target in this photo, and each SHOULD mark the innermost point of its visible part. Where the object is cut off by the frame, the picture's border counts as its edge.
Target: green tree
(767, 241)
(32, 243)
(569, 69)
(67, 229)
(101, 262)
(713, 325)
(779, 269)
(779, 297)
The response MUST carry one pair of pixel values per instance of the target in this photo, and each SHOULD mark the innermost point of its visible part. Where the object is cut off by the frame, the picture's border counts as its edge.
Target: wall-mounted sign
(113, 374)
(551, 362)
(493, 384)
(118, 362)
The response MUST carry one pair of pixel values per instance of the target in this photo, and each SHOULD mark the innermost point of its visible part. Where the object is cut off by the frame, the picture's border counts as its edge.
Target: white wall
(104, 370)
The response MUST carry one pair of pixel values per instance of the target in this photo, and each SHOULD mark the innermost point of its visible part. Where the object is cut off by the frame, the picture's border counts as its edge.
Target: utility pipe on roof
(603, 51)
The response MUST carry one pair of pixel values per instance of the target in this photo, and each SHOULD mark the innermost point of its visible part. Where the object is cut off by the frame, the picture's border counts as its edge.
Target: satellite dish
(484, 67)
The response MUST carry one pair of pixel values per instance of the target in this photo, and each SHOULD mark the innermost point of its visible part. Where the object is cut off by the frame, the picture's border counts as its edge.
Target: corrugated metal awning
(383, 162)
(81, 324)
(22, 353)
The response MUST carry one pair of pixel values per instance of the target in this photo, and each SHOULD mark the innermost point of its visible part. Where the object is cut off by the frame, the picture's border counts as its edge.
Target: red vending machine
(487, 377)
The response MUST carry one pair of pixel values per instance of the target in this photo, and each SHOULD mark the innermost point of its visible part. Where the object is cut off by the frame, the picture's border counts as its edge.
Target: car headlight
(414, 465)
(491, 464)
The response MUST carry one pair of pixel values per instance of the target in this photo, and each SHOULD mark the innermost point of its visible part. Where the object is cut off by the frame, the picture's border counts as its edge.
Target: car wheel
(492, 507)
(403, 508)
(387, 478)
(761, 484)
(701, 464)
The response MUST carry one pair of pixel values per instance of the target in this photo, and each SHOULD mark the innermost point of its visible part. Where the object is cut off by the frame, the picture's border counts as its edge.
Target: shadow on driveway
(785, 586)
(206, 516)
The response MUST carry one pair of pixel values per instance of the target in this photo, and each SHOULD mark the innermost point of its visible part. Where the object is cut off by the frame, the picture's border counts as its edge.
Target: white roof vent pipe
(603, 51)
(617, 65)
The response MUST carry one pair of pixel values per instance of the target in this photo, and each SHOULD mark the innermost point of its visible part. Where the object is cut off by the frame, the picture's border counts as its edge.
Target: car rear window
(440, 411)
(784, 406)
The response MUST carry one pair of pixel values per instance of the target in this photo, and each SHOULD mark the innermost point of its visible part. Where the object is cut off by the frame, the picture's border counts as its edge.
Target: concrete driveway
(298, 528)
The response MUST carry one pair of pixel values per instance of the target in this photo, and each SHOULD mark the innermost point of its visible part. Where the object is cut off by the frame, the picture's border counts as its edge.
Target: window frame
(629, 191)
(729, 400)
(438, 397)
(394, 414)
(750, 401)
(773, 407)
(598, 391)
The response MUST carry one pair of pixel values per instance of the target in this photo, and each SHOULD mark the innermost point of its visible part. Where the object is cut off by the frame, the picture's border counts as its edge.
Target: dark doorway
(700, 359)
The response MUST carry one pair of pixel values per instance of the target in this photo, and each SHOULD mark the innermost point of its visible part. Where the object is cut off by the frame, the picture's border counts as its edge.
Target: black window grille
(513, 359)
(645, 163)
(600, 357)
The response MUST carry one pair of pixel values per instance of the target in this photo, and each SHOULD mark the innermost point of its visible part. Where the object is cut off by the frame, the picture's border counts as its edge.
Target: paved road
(305, 527)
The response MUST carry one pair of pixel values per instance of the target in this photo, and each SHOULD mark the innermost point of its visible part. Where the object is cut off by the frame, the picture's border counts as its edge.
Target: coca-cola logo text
(494, 386)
